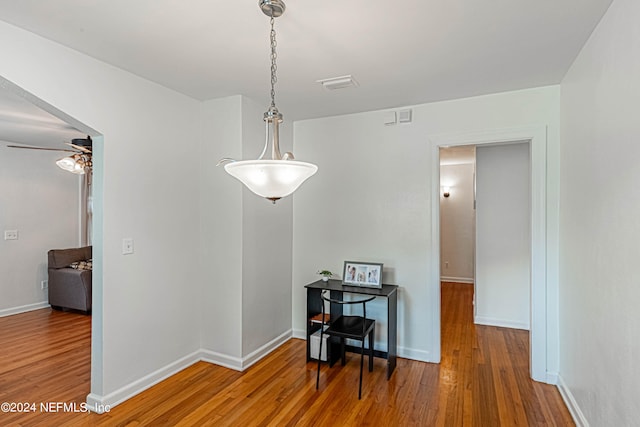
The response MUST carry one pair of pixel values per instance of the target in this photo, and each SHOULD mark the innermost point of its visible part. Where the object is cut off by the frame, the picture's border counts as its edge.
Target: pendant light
(280, 175)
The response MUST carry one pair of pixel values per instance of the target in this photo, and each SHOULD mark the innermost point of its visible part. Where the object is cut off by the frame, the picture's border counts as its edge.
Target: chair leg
(319, 361)
(361, 365)
(371, 338)
(343, 352)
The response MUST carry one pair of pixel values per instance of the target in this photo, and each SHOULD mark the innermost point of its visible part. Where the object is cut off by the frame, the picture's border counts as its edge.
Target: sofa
(70, 279)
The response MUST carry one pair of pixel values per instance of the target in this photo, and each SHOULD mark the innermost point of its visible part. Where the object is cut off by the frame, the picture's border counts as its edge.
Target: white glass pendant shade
(281, 175)
(272, 179)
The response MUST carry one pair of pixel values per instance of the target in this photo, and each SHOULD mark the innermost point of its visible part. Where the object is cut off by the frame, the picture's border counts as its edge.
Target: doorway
(485, 229)
(53, 127)
(536, 136)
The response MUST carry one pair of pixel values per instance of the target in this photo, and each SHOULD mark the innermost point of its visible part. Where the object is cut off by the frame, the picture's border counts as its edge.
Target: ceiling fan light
(272, 179)
(74, 164)
(66, 163)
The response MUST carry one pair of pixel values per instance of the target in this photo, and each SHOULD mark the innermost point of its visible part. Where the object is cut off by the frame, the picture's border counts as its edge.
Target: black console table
(336, 288)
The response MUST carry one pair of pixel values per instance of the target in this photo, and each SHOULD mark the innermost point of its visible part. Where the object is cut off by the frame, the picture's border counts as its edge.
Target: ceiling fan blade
(41, 148)
(79, 147)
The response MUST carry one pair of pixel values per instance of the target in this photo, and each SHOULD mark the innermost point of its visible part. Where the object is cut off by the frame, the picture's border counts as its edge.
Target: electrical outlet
(44, 284)
(446, 264)
(10, 234)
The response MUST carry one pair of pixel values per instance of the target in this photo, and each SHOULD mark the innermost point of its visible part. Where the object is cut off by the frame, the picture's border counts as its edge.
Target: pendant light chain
(280, 175)
(274, 67)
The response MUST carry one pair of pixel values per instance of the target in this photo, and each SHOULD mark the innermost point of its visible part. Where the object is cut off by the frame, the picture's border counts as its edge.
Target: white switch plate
(10, 234)
(44, 284)
(127, 246)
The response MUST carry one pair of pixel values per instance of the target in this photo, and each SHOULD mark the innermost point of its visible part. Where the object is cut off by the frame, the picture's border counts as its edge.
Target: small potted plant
(325, 275)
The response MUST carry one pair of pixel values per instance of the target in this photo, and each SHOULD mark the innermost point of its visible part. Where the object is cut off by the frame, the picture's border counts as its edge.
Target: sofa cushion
(60, 258)
(82, 265)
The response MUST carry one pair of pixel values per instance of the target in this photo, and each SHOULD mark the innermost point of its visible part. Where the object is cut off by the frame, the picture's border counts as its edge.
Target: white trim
(300, 334)
(220, 359)
(457, 279)
(552, 378)
(101, 404)
(404, 352)
(95, 402)
(502, 323)
(572, 405)
(261, 352)
(413, 354)
(537, 136)
(23, 308)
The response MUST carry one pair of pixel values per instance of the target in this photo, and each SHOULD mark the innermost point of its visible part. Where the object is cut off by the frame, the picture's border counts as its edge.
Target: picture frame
(364, 274)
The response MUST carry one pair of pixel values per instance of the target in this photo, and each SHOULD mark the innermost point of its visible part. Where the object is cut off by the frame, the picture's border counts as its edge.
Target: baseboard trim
(220, 359)
(23, 308)
(572, 405)
(457, 279)
(299, 333)
(101, 404)
(263, 351)
(413, 354)
(490, 321)
(552, 378)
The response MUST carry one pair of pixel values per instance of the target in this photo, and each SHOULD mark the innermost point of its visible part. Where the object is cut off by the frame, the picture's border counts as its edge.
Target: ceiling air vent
(341, 82)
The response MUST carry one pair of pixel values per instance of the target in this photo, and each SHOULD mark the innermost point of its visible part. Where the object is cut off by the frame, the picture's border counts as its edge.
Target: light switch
(127, 246)
(10, 234)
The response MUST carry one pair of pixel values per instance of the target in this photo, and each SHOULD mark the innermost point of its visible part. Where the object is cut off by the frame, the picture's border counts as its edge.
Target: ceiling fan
(79, 162)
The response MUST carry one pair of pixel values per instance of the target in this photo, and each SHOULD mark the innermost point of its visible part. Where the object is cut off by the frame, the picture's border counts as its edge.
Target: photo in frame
(366, 274)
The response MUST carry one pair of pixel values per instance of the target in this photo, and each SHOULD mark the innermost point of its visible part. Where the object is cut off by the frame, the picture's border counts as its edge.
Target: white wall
(245, 240)
(41, 201)
(267, 244)
(503, 239)
(457, 223)
(599, 276)
(371, 200)
(220, 246)
(148, 315)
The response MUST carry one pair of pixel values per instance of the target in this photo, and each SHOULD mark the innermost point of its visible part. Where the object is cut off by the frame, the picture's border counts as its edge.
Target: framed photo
(367, 274)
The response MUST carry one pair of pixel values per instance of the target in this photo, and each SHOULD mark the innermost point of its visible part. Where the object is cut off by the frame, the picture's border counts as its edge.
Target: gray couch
(69, 288)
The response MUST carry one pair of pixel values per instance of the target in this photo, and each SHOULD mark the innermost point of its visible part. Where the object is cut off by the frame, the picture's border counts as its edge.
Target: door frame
(537, 138)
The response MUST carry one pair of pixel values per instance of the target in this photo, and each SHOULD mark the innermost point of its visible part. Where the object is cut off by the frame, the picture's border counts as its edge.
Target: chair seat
(355, 327)
(350, 327)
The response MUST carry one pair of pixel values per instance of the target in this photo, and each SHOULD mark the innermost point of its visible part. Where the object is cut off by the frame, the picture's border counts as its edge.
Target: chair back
(350, 302)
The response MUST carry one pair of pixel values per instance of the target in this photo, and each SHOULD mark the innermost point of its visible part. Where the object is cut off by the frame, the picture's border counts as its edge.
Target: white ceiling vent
(341, 82)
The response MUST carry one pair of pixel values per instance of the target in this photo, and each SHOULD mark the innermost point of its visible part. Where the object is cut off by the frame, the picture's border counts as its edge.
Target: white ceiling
(402, 53)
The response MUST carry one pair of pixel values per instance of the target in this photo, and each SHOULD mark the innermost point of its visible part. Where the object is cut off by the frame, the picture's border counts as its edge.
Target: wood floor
(483, 380)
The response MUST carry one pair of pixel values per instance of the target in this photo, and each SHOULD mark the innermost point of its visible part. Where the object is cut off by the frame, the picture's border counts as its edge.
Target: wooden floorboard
(483, 380)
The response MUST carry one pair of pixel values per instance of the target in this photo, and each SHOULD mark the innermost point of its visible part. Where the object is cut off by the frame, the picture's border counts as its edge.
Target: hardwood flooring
(483, 380)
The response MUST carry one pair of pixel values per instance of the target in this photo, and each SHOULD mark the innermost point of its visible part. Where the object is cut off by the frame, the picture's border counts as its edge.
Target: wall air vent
(341, 82)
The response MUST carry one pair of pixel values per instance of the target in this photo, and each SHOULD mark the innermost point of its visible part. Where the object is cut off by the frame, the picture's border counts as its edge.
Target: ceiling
(402, 53)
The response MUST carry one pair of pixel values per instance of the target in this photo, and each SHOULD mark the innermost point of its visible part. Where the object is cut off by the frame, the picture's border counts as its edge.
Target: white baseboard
(220, 359)
(490, 321)
(413, 354)
(300, 334)
(552, 378)
(572, 405)
(23, 308)
(258, 354)
(404, 352)
(100, 404)
(457, 279)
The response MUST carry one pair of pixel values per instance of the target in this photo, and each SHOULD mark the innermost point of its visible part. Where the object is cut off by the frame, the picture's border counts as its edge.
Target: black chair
(354, 327)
